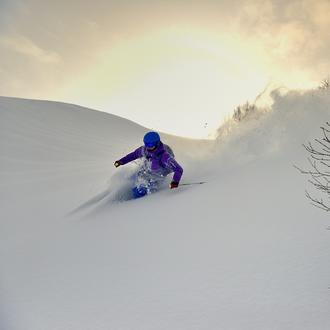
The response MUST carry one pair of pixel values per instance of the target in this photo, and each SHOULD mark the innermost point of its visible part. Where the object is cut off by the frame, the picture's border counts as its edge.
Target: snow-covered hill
(244, 251)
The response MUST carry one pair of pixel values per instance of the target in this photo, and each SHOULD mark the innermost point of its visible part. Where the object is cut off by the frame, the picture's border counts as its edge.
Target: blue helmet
(151, 139)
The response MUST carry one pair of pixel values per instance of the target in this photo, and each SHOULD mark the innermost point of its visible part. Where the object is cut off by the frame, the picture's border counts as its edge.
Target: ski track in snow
(245, 251)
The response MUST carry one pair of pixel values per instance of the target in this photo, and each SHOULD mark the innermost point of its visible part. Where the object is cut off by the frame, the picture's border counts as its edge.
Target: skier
(158, 162)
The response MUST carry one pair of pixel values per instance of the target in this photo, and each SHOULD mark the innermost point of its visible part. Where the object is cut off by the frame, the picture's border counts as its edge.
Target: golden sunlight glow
(176, 66)
(152, 78)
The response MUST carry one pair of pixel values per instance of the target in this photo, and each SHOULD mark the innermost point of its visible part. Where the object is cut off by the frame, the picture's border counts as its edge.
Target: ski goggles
(153, 148)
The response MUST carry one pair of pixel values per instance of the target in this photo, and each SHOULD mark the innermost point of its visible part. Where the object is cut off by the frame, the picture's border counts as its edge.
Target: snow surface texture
(243, 251)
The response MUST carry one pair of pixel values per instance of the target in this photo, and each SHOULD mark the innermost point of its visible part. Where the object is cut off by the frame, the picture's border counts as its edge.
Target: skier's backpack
(169, 150)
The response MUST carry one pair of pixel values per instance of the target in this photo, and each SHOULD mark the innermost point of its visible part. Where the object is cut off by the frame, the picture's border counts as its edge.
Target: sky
(176, 66)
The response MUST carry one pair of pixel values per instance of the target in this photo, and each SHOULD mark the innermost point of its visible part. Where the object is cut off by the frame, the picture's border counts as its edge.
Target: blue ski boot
(139, 192)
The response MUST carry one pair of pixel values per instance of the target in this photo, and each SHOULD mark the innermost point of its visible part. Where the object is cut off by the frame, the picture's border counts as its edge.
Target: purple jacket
(160, 159)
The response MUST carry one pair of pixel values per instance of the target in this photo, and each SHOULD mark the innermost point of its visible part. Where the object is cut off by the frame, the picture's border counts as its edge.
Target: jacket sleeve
(138, 153)
(171, 164)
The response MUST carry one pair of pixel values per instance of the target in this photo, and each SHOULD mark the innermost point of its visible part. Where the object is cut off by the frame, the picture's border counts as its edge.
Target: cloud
(61, 42)
(25, 46)
(293, 36)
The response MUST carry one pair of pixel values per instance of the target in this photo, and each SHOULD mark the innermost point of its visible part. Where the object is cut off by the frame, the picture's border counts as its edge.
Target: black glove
(174, 184)
(117, 163)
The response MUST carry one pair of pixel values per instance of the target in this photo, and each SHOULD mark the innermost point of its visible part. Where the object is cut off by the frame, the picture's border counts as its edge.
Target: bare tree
(242, 111)
(319, 172)
(325, 84)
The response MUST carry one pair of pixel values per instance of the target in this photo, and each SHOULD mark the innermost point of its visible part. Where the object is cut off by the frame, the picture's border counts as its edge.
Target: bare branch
(323, 162)
(325, 148)
(319, 161)
(316, 202)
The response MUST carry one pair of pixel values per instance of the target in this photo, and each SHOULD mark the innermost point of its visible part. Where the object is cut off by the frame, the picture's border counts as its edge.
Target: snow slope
(244, 251)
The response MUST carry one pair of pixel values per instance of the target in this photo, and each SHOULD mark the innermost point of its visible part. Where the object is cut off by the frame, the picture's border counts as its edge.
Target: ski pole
(191, 183)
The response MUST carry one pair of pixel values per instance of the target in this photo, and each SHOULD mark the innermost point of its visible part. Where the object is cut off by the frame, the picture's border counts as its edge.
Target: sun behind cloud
(164, 59)
(185, 71)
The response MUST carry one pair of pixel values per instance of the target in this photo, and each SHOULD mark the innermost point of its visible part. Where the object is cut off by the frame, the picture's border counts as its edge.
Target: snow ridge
(243, 251)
